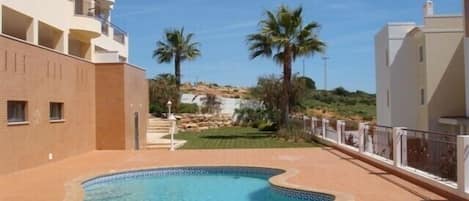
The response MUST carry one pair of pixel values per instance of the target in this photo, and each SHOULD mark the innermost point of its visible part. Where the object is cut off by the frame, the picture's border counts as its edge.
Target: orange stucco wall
(100, 101)
(121, 91)
(136, 103)
(40, 76)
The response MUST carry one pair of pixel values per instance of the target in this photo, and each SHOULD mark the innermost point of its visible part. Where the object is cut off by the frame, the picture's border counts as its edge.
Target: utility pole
(325, 58)
(303, 68)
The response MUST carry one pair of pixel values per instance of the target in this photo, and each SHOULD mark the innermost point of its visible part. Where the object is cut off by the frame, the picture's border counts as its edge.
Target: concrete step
(177, 144)
(159, 120)
(159, 129)
(158, 126)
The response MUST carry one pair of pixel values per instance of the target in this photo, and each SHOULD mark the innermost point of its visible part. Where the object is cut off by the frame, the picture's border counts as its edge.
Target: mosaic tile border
(239, 171)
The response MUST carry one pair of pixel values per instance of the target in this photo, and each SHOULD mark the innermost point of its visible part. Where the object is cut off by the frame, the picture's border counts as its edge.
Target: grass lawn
(230, 138)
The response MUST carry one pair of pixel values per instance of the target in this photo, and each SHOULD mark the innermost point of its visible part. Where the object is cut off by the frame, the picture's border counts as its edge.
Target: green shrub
(188, 108)
(268, 126)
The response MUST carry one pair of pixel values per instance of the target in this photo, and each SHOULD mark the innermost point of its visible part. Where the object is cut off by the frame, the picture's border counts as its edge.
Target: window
(16, 111)
(56, 111)
(422, 97)
(387, 57)
(387, 97)
(421, 54)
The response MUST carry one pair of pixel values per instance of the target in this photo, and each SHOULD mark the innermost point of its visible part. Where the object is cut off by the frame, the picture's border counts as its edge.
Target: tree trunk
(177, 73)
(285, 110)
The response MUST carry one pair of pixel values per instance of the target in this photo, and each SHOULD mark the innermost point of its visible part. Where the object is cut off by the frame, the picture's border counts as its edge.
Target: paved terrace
(319, 168)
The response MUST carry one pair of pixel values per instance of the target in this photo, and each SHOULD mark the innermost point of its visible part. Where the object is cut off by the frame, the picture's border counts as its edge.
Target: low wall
(200, 122)
(434, 186)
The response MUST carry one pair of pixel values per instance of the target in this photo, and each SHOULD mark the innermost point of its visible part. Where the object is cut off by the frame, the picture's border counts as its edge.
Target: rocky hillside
(202, 88)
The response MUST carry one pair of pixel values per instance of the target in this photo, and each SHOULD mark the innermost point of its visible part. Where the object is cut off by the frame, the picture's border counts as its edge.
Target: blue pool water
(194, 184)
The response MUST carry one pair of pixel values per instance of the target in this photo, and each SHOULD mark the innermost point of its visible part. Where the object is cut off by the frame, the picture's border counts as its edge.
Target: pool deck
(318, 168)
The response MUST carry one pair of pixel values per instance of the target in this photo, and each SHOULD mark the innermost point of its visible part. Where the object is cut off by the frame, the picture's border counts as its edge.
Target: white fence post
(463, 163)
(339, 131)
(312, 126)
(172, 131)
(404, 147)
(324, 127)
(362, 129)
(304, 123)
(398, 145)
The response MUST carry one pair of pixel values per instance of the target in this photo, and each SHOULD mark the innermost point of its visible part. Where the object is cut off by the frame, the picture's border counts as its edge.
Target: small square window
(387, 98)
(56, 111)
(422, 97)
(16, 111)
(421, 56)
(387, 57)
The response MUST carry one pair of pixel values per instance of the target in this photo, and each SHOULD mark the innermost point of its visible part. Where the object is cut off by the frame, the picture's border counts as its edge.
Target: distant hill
(226, 91)
(337, 103)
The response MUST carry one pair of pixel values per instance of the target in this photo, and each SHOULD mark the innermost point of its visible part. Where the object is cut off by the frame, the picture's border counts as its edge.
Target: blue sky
(221, 26)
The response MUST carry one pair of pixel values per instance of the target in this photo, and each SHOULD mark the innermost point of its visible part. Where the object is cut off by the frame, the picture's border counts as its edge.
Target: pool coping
(74, 190)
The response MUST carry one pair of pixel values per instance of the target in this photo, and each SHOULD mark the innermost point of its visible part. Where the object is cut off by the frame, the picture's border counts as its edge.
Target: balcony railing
(119, 35)
(88, 8)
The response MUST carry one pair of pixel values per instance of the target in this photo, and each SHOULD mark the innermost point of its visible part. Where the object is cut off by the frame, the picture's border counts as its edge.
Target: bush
(268, 126)
(157, 110)
(188, 108)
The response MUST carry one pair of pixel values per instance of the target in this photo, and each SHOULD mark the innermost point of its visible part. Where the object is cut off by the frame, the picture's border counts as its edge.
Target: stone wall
(200, 122)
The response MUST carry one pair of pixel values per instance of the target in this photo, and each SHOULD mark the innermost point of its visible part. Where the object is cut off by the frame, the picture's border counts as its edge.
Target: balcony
(109, 29)
(99, 10)
(85, 26)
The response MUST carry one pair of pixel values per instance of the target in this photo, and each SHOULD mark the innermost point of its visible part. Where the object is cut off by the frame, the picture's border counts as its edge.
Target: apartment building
(65, 85)
(420, 73)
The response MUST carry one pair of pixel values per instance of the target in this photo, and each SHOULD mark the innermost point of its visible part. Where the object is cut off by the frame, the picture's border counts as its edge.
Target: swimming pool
(195, 184)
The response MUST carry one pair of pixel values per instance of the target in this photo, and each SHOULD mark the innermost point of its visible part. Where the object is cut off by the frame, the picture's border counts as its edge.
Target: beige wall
(441, 75)
(41, 76)
(121, 90)
(404, 88)
(445, 88)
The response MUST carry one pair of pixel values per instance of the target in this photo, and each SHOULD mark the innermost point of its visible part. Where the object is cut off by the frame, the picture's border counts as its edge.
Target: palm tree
(176, 46)
(285, 33)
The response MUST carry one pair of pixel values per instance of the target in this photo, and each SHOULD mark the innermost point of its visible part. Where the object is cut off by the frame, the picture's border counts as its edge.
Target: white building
(420, 73)
(83, 28)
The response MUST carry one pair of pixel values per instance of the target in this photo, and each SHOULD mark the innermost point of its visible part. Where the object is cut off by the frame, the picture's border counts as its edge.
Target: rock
(203, 128)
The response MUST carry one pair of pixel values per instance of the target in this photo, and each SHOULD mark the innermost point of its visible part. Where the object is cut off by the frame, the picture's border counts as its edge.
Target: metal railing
(350, 134)
(307, 124)
(318, 127)
(331, 131)
(379, 141)
(88, 8)
(425, 154)
(431, 152)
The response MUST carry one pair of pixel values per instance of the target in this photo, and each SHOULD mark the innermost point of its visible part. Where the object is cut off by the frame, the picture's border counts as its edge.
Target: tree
(211, 103)
(267, 92)
(179, 47)
(341, 91)
(285, 33)
(308, 82)
(162, 88)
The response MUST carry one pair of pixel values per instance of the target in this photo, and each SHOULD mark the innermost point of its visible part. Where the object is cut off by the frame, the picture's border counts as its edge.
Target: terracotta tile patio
(319, 168)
